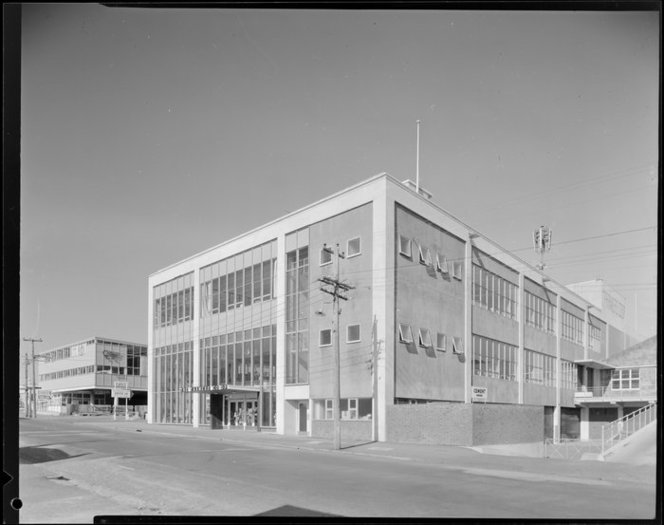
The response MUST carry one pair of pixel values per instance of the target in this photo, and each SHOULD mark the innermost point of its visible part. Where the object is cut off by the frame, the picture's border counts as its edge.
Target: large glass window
(494, 293)
(297, 316)
(540, 314)
(494, 359)
(572, 327)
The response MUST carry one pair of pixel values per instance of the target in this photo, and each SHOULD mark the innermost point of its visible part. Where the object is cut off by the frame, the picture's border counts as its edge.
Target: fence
(622, 428)
(570, 448)
(602, 393)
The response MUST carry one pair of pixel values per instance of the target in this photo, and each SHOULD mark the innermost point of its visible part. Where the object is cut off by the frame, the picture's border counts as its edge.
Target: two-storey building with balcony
(79, 376)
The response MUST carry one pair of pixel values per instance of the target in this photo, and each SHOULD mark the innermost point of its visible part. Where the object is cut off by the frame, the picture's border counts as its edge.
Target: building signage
(479, 393)
(204, 389)
(123, 385)
(121, 393)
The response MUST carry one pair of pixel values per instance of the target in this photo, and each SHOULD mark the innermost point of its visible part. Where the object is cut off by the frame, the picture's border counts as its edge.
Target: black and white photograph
(341, 262)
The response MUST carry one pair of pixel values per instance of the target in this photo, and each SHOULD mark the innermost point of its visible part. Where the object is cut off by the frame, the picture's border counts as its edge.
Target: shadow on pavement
(290, 510)
(30, 455)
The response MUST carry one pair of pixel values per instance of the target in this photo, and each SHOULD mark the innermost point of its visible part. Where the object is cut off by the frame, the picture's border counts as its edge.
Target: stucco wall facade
(428, 299)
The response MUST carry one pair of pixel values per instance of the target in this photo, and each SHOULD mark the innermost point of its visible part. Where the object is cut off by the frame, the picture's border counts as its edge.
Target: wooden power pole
(336, 289)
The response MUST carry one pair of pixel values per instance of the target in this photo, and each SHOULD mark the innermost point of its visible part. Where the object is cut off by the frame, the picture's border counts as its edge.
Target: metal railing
(567, 448)
(620, 429)
(606, 393)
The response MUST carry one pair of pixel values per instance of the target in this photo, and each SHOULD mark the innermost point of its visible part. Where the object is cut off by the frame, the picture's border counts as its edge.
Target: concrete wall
(536, 394)
(356, 271)
(493, 424)
(428, 299)
(465, 424)
(353, 431)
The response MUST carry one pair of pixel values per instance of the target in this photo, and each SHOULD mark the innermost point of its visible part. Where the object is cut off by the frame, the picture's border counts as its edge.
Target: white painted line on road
(126, 468)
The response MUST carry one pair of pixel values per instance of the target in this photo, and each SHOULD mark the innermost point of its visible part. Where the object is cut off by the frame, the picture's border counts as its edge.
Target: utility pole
(34, 382)
(27, 396)
(374, 370)
(337, 290)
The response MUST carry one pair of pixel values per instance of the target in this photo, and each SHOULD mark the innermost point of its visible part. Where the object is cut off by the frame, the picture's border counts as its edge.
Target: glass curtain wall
(297, 316)
(173, 350)
(237, 334)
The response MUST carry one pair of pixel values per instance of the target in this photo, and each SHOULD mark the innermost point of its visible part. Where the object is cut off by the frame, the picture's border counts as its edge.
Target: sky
(149, 135)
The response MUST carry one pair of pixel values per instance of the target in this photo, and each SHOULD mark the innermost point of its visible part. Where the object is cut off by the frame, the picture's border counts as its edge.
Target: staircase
(616, 432)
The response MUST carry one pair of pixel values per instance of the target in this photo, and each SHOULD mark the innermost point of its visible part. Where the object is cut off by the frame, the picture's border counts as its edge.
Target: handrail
(622, 428)
(605, 392)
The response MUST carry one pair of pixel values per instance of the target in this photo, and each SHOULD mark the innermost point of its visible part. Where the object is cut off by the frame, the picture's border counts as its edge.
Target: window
(325, 256)
(425, 338)
(353, 247)
(441, 264)
(405, 246)
(494, 293)
(441, 342)
(457, 345)
(425, 256)
(352, 408)
(325, 337)
(405, 334)
(494, 359)
(625, 379)
(353, 333)
(329, 410)
(458, 270)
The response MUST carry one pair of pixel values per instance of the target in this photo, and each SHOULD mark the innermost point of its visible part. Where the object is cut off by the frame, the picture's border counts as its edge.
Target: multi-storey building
(80, 375)
(444, 336)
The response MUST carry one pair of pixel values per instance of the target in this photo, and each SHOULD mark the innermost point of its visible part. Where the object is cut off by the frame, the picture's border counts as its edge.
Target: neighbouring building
(79, 376)
(444, 336)
(628, 384)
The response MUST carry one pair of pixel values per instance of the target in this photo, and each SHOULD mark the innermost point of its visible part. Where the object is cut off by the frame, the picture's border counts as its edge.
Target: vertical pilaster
(557, 409)
(196, 323)
(382, 290)
(584, 426)
(152, 379)
(468, 317)
(280, 295)
(521, 318)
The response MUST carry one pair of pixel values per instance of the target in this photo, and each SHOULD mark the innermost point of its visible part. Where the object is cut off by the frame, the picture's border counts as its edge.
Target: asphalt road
(74, 468)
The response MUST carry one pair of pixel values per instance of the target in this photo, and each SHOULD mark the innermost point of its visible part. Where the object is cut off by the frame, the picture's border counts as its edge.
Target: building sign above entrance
(218, 389)
(204, 389)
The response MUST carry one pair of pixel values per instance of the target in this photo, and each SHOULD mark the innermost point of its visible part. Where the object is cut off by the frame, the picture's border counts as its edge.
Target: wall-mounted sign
(479, 393)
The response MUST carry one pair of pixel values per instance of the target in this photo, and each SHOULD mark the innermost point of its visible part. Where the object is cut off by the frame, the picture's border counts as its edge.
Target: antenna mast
(417, 160)
(542, 243)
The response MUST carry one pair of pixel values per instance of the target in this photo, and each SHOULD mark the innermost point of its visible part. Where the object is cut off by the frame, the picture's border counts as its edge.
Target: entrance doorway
(242, 412)
(303, 410)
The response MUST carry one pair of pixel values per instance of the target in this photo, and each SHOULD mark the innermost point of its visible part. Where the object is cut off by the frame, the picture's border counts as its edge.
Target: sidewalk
(453, 457)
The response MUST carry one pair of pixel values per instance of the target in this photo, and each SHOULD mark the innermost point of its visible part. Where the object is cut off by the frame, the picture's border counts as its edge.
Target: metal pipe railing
(622, 428)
